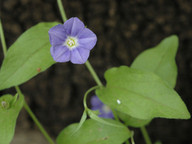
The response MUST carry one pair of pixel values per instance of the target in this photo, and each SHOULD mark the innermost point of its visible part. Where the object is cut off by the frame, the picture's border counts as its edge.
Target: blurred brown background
(124, 29)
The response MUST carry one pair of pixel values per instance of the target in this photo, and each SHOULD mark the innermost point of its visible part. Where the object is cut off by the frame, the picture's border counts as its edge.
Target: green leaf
(9, 111)
(160, 60)
(141, 94)
(93, 116)
(27, 57)
(131, 121)
(83, 119)
(94, 132)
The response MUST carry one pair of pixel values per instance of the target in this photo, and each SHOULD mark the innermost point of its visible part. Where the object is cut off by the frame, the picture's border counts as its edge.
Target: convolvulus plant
(132, 97)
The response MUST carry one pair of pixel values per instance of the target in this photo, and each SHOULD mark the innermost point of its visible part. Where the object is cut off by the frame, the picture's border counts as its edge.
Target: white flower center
(106, 108)
(71, 42)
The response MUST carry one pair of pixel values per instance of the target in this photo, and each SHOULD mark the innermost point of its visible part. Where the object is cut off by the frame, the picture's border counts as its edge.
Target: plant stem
(115, 115)
(39, 125)
(127, 142)
(85, 96)
(145, 135)
(3, 39)
(62, 11)
(34, 118)
(93, 73)
(27, 108)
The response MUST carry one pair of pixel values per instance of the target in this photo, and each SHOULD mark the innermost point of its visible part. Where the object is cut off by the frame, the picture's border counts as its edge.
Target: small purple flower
(104, 110)
(71, 41)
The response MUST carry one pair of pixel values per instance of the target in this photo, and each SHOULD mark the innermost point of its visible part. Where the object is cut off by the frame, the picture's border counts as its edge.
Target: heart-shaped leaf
(141, 94)
(94, 132)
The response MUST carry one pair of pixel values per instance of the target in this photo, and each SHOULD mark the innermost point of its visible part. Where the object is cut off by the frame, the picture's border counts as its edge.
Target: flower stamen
(71, 42)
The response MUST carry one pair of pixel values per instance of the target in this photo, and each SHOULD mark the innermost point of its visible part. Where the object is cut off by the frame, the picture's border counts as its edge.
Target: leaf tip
(188, 115)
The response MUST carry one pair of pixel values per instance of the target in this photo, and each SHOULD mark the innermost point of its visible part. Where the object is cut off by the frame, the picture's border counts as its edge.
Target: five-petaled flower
(71, 41)
(104, 110)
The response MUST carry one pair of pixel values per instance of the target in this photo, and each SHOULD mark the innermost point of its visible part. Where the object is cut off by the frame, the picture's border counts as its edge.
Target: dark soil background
(124, 28)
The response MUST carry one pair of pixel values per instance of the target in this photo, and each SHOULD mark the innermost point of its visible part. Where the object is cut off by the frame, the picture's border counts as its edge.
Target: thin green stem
(127, 142)
(34, 118)
(39, 125)
(115, 115)
(86, 94)
(3, 39)
(93, 73)
(62, 11)
(132, 139)
(145, 135)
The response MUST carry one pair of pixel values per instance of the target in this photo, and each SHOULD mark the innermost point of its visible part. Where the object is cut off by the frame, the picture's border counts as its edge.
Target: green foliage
(149, 95)
(83, 119)
(131, 121)
(94, 116)
(160, 60)
(9, 110)
(27, 57)
(141, 95)
(158, 142)
(94, 132)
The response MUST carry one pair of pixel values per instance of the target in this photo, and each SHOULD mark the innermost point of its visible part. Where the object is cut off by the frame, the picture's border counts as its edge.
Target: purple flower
(104, 110)
(71, 41)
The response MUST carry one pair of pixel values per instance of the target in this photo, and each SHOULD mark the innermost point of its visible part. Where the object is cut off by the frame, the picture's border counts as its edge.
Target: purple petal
(106, 115)
(57, 35)
(60, 53)
(96, 103)
(73, 26)
(79, 55)
(87, 38)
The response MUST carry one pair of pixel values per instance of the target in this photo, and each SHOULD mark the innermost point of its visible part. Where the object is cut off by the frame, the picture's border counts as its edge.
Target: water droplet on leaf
(118, 101)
